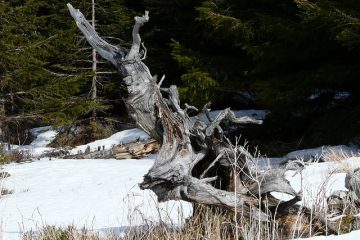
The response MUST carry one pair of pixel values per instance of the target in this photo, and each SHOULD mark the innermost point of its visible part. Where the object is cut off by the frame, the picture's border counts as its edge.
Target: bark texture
(195, 162)
(352, 182)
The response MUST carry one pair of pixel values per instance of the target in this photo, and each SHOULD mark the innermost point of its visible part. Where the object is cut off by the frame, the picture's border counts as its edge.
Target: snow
(254, 113)
(98, 194)
(257, 114)
(341, 95)
(338, 95)
(354, 235)
(102, 195)
(306, 154)
(125, 136)
(263, 163)
(319, 152)
(319, 180)
(44, 136)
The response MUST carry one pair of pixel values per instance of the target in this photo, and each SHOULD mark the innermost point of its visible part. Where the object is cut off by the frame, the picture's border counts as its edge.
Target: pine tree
(46, 75)
(281, 52)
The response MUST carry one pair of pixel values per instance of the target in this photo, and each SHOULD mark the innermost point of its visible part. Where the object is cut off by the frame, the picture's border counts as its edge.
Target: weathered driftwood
(195, 163)
(135, 150)
(352, 182)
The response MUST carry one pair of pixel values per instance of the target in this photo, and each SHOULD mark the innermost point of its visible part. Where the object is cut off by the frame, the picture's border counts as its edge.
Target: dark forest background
(300, 59)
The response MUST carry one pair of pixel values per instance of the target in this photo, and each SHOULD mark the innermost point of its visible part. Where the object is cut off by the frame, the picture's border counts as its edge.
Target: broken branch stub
(186, 145)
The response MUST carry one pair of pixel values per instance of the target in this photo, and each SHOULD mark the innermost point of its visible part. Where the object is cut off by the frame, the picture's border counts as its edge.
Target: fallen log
(131, 150)
(135, 150)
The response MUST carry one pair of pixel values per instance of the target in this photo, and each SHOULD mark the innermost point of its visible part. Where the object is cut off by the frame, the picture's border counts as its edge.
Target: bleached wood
(352, 182)
(184, 144)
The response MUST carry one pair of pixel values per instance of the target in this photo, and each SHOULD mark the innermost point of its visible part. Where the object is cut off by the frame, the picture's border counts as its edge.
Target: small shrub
(4, 158)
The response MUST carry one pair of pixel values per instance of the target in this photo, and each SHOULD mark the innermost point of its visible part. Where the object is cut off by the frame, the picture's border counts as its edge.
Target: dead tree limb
(187, 146)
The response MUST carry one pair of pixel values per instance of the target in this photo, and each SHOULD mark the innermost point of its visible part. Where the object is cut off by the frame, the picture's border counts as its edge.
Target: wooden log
(131, 150)
(135, 150)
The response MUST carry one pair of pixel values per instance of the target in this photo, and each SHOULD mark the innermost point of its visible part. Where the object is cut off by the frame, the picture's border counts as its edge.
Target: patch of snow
(317, 153)
(338, 95)
(44, 136)
(282, 196)
(314, 96)
(305, 154)
(125, 136)
(263, 163)
(341, 95)
(319, 180)
(257, 114)
(354, 235)
(98, 194)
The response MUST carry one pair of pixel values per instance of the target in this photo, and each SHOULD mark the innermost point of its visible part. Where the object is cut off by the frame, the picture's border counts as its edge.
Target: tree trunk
(2, 118)
(192, 151)
(94, 62)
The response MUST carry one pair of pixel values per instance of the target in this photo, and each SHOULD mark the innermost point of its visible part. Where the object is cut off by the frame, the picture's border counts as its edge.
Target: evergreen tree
(42, 68)
(37, 76)
(282, 52)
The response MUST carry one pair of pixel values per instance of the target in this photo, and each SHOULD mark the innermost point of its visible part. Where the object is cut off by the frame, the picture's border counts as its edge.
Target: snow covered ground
(103, 195)
(354, 235)
(100, 194)
(125, 136)
(319, 180)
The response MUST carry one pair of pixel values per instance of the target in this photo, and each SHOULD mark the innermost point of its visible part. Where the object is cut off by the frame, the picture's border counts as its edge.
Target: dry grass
(206, 224)
(337, 155)
(56, 233)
